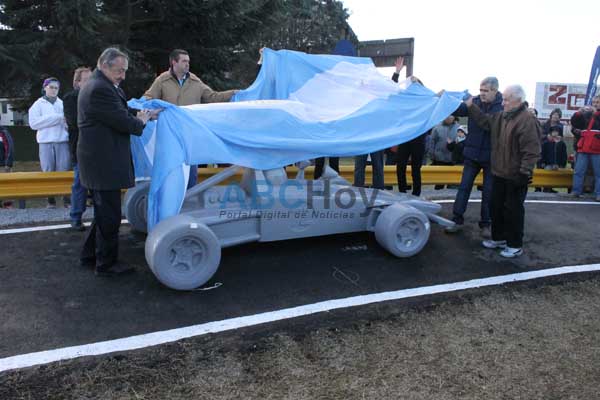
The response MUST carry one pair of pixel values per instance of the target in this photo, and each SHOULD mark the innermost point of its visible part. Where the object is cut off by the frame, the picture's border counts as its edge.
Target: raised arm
(483, 120)
(399, 67)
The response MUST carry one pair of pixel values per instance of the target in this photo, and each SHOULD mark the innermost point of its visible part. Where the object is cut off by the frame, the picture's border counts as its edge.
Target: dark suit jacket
(105, 123)
(70, 110)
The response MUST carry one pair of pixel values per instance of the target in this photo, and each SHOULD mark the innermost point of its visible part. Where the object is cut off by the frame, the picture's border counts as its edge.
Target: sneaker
(510, 252)
(494, 244)
(50, 206)
(486, 232)
(454, 228)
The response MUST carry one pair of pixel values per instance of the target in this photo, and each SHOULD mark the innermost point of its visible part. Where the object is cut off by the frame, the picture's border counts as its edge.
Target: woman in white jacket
(47, 117)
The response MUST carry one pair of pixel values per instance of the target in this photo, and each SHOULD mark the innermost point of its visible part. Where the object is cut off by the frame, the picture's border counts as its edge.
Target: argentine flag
(300, 107)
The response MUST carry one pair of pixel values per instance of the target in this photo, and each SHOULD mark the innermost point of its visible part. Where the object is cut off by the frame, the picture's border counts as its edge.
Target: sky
(459, 42)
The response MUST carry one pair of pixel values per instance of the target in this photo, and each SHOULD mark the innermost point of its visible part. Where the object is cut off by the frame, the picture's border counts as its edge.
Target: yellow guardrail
(18, 185)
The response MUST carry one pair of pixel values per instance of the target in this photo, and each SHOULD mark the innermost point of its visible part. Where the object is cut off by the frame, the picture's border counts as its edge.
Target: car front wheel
(402, 230)
(183, 254)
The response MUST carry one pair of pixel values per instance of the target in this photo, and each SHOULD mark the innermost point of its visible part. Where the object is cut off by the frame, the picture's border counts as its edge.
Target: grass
(537, 342)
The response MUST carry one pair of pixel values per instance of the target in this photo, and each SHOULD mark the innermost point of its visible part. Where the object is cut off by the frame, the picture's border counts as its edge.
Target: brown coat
(515, 141)
(194, 91)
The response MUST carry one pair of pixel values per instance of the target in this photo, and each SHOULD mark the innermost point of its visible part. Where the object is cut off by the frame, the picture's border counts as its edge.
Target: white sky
(459, 42)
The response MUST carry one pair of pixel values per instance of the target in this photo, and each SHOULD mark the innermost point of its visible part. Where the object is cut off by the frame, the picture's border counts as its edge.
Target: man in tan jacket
(515, 148)
(179, 86)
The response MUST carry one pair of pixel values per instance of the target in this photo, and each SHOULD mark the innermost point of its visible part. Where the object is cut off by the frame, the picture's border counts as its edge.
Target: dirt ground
(529, 341)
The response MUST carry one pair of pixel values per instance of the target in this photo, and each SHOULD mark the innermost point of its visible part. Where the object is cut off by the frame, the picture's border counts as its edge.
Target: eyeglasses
(52, 87)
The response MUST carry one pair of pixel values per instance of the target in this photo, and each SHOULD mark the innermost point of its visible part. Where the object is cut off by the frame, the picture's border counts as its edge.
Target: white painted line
(157, 338)
(44, 228)
(586, 203)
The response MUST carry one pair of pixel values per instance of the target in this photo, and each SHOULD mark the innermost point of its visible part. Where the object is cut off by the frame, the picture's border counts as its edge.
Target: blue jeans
(360, 163)
(78, 196)
(581, 165)
(470, 171)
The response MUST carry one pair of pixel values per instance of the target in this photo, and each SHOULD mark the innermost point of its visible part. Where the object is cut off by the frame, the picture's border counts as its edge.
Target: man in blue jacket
(477, 157)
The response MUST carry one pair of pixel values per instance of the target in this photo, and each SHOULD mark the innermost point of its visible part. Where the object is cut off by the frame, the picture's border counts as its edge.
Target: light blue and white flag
(300, 107)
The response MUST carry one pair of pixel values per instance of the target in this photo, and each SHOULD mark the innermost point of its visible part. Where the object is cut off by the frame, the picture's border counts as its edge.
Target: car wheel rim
(186, 255)
(409, 233)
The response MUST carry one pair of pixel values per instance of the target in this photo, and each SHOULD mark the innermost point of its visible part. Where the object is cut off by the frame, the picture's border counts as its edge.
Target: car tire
(136, 206)
(182, 254)
(402, 230)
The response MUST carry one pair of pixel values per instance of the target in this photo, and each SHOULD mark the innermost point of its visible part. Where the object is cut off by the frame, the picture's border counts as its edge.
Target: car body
(184, 251)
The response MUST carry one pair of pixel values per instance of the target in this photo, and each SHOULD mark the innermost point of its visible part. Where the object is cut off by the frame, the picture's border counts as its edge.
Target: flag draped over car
(301, 106)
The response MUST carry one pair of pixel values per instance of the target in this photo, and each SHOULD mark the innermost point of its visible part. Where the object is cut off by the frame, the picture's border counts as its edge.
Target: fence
(19, 185)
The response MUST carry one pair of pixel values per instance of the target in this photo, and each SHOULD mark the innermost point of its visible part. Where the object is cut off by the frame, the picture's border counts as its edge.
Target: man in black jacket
(78, 191)
(104, 157)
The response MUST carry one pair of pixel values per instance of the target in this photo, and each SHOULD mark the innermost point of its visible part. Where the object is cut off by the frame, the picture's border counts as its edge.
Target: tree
(41, 38)
(46, 38)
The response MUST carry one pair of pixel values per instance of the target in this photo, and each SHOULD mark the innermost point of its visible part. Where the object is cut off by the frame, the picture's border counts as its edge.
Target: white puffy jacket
(49, 121)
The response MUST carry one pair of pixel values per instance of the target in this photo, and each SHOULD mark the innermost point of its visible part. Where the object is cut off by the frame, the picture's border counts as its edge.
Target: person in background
(554, 151)
(360, 165)
(181, 87)
(441, 133)
(587, 118)
(457, 146)
(413, 150)
(539, 164)
(78, 191)
(334, 163)
(47, 118)
(515, 148)
(6, 158)
(477, 157)
(589, 177)
(553, 124)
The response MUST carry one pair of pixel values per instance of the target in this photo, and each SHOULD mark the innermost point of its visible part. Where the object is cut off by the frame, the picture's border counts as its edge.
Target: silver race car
(184, 251)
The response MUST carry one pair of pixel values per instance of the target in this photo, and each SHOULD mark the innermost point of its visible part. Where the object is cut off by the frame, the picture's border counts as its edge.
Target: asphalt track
(48, 301)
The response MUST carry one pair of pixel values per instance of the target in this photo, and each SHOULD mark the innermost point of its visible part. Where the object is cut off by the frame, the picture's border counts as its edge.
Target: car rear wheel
(136, 206)
(183, 254)
(402, 230)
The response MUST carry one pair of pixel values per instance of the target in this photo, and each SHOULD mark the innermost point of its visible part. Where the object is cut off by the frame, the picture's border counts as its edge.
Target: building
(10, 117)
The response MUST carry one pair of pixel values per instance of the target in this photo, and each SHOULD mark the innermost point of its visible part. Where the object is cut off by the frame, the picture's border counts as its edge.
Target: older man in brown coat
(515, 150)
(181, 87)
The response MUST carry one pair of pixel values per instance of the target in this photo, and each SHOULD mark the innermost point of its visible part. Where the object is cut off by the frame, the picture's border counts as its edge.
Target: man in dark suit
(104, 157)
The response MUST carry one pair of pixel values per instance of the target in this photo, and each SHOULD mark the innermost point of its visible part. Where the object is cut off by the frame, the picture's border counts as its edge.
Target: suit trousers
(102, 240)
(508, 211)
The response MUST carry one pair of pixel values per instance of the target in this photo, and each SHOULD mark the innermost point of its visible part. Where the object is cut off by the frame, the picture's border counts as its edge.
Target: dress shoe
(88, 262)
(77, 226)
(114, 270)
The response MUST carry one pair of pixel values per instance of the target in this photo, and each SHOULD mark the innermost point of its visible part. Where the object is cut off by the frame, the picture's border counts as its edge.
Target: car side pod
(402, 230)
(182, 253)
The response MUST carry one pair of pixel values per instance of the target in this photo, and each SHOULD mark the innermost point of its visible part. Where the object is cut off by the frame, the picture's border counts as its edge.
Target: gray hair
(517, 91)
(109, 56)
(492, 81)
